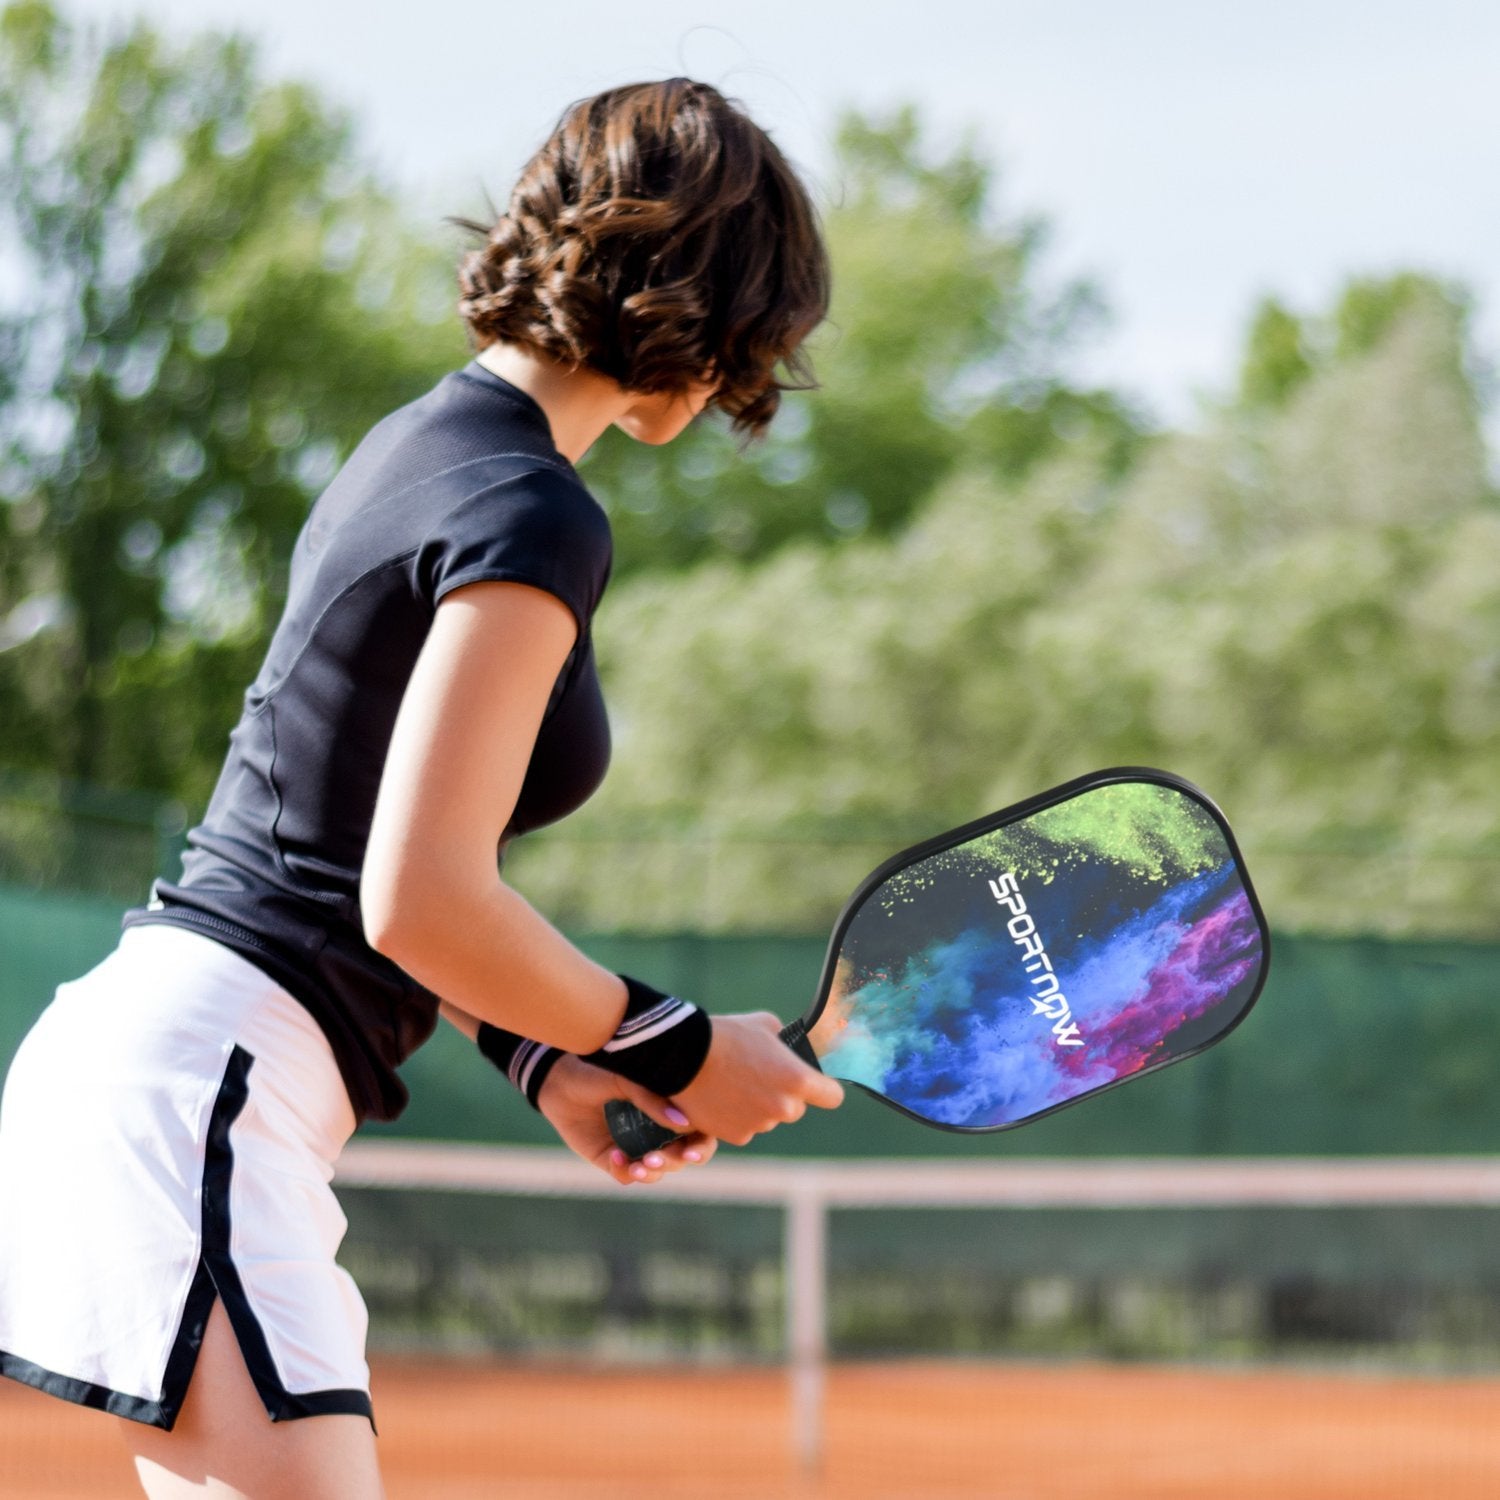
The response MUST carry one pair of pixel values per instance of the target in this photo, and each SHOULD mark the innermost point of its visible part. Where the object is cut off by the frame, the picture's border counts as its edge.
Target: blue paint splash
(954, 1037)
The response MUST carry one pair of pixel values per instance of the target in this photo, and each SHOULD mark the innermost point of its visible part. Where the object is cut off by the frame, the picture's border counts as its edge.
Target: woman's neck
(578, 403)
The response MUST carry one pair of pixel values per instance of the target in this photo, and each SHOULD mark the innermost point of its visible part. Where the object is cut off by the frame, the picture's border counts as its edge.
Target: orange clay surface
(451, 1431)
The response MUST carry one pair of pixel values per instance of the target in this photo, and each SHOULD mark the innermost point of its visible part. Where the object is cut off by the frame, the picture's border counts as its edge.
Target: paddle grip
(636, 1133)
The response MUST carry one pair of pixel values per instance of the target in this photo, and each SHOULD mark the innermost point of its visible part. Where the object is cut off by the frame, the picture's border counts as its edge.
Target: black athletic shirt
(461, 485)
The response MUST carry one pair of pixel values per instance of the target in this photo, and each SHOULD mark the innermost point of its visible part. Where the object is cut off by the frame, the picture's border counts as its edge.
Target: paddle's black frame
(637, 1133)
(988, 824)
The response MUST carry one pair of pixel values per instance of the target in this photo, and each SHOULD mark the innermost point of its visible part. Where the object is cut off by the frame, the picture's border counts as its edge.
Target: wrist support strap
(661, 1042)
(524, 1062)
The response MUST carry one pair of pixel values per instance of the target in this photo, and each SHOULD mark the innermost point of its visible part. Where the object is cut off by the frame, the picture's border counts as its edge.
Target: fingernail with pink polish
(692, 1156)
(617, 1157)
(676, 1116)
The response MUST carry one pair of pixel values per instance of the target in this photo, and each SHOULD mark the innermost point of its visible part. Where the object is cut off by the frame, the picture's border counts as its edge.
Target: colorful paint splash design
(1123, 936)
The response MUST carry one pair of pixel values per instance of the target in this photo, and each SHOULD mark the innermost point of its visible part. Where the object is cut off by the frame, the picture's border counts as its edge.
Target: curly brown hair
(660, 238)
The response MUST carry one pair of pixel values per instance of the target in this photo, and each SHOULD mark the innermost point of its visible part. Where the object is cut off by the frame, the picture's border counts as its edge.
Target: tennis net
(766, 1329)
(1365, 1287)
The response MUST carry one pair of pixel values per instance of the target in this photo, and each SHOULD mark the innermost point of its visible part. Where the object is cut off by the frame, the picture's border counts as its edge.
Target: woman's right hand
(751, 1082)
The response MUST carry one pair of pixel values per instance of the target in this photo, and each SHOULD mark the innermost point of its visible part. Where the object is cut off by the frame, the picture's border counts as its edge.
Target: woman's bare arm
(431, 892)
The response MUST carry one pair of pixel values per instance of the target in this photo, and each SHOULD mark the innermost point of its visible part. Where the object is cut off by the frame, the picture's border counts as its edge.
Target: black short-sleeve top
(462, 485)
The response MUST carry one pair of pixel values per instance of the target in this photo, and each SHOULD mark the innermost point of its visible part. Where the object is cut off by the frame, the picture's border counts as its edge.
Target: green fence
(1357, 1046)
(59, 835)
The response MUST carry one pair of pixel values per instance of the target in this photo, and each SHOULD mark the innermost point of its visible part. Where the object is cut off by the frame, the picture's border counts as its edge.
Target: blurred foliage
(949, 579)
(1283, 349)
(944, 345)
(1276, 358)
(229, 300)
(1297, 607)
(219, 301)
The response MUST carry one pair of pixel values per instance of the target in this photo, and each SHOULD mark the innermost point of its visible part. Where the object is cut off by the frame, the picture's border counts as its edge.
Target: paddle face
(1027, 961)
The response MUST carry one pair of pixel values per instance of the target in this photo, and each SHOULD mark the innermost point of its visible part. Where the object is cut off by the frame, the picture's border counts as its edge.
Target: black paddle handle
(636, 1133)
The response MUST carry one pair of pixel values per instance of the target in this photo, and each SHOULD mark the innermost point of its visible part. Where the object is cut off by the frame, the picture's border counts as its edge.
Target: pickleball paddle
(998, 972)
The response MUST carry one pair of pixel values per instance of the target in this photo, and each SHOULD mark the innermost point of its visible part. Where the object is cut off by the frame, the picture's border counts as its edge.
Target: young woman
(167, 1233)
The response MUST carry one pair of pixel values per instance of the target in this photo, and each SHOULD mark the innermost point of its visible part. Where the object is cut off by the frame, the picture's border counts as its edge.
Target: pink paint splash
(1216, 954)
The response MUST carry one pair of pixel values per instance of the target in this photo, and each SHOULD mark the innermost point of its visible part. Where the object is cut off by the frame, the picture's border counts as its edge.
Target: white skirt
(167, 1136)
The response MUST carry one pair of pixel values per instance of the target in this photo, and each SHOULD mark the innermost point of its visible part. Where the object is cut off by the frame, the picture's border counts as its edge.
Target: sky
(1190, 155)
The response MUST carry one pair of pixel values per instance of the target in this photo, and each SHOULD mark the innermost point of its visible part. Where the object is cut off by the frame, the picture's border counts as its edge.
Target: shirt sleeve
(541, 528)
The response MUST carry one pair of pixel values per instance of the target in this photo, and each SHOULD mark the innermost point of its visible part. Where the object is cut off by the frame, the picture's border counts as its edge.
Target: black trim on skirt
(215, 1276)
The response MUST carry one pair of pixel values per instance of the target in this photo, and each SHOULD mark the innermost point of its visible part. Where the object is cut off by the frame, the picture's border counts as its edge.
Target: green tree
(220, 300)
(1276, 356)
(1370, 306)
(944, 345)
(1295, 606)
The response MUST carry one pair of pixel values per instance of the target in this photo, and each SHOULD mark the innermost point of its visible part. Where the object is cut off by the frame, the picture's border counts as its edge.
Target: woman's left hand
(573, 1100)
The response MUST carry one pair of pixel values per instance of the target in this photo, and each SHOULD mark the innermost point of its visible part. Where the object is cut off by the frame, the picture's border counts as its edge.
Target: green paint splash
(1157, 833)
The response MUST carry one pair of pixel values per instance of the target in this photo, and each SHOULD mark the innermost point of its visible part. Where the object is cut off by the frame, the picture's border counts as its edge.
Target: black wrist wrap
(661, 1042)
(524, 1062)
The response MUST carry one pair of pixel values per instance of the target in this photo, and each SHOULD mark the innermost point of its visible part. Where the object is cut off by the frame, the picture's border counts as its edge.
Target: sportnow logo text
(1047, 998)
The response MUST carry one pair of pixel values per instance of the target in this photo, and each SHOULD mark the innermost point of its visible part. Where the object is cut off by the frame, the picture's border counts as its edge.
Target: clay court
(461, 1432)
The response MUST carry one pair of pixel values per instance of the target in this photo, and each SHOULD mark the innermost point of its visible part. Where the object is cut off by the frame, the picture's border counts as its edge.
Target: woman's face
(659, 417)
